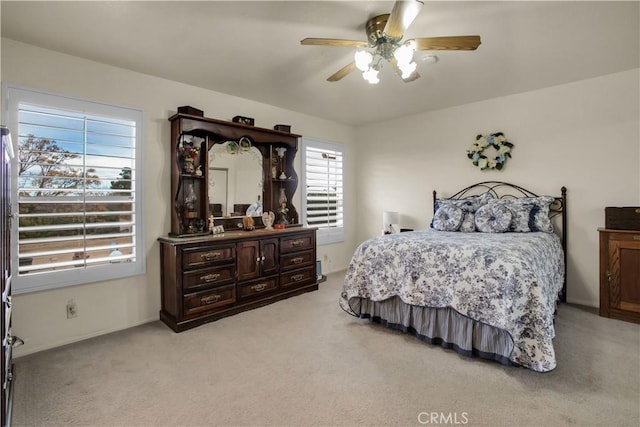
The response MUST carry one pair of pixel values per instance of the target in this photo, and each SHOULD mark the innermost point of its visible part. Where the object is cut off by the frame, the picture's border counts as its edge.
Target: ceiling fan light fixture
(404, 54)
(407, 69)
(371, 76)
(363, 59)
(384, 42)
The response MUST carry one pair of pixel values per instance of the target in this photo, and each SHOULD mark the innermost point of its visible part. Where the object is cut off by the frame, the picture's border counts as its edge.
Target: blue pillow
(493, 218)
(468, 205)
(447, 218)
(529, 213)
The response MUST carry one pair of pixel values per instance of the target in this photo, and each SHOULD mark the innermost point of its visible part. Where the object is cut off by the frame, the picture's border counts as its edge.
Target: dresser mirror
(235, 179)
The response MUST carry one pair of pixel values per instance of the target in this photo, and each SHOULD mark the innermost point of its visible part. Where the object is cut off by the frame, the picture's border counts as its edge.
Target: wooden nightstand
(620, 274)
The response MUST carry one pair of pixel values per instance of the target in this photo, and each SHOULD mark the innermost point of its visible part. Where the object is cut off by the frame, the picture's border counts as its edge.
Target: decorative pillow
(468, 224)
(529, 213)
(539, 216)
(520, 211)
(468, 205)
(447, 218)
(493, 218)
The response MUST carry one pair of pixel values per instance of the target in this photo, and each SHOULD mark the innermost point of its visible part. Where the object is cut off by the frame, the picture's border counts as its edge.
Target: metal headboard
(502, 190)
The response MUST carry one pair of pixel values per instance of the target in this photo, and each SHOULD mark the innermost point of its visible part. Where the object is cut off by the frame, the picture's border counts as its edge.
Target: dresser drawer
(193, 280)
(296, 243)
(209, 299)
(304, 276)
(258, 287)
(296, 260)
(201, 257)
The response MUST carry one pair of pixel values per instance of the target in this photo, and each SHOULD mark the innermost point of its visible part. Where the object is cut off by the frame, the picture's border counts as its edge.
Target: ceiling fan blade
(402, 15)
(342, 72)
(411, 78)
(310, 41)
(448, 43)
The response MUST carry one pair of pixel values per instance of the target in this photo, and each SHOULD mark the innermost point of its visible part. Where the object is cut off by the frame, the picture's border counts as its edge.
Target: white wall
(40, 318)
(583, 135)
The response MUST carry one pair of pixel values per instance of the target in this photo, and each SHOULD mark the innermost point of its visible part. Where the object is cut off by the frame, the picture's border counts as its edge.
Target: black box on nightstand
(622, 218)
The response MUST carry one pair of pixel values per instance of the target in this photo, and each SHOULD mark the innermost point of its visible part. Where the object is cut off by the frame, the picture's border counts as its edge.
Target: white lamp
(389, 219)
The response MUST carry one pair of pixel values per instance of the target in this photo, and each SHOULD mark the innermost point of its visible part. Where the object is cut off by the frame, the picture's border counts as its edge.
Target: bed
(488, 288)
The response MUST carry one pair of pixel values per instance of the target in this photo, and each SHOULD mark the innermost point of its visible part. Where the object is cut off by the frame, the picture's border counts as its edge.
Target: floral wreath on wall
(502, 150)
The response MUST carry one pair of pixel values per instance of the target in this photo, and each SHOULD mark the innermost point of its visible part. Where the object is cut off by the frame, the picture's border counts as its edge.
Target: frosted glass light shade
(371, 75)
(404, 54)
(408, 69)
(363, 59)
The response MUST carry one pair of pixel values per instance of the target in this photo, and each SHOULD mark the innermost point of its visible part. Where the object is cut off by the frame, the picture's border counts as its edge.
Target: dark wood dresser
(620, 274)
(210, 277)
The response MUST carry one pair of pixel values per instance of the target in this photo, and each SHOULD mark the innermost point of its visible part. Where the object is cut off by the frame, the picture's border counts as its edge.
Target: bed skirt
(439, 326)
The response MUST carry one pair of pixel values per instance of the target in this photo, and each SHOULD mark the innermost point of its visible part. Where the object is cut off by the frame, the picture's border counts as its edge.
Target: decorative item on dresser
(237, 263)
(244, 120)
(187, 109)
(282, 128)
(620, 274)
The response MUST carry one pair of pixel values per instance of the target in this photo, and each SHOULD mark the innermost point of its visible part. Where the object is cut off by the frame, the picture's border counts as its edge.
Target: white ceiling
(252, 49)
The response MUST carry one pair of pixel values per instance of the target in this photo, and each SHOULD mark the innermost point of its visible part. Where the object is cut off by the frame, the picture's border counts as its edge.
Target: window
(75, 190)
(323, 200)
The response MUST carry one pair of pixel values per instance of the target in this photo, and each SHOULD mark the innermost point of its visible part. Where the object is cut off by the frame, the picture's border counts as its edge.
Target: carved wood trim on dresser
(210, 277)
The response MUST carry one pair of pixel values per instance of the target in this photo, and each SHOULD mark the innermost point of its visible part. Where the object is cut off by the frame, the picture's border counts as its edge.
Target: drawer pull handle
(210, 299)
(297, 242)
(297, 277)
(210, 255)
(636, 237)
(297, 260)
(638, 211)
(7, 301)
(259, 287)
(210, 277)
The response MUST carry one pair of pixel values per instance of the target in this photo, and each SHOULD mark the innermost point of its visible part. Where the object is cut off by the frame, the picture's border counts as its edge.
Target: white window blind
(78, 210)
(324, 190)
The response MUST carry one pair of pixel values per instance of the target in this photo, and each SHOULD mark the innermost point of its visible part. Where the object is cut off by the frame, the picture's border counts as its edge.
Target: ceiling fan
(384, 35)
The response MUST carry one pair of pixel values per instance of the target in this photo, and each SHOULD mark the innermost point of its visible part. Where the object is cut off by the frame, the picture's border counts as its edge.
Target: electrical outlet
(72, 309)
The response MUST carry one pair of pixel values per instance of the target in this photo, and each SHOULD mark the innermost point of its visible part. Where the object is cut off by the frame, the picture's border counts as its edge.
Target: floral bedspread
(507, 280)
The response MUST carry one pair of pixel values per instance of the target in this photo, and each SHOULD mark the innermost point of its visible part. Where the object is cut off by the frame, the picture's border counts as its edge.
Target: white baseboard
(27, 350)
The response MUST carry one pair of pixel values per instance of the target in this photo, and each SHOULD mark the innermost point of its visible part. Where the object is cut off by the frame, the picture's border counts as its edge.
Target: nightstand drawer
(207, 300)
(258, 287)
(296, 260)
(304, 276)
(297, 243)
(201, 257)
(208, 277)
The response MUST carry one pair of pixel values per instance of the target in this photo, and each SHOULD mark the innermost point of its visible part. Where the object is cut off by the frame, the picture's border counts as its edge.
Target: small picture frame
(243, 120)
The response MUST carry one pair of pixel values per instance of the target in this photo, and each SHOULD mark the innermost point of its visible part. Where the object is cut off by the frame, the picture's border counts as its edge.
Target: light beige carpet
(303, 361)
